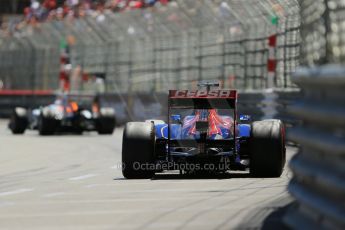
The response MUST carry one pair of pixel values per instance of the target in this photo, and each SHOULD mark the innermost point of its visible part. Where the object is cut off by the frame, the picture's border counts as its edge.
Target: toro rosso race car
(67, 114)
(203, 133)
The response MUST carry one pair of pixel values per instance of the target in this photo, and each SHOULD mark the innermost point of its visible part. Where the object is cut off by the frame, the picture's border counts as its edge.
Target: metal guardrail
(283, 99)
(318, 182)
(268, 104)
(260, 104)
(12, 99)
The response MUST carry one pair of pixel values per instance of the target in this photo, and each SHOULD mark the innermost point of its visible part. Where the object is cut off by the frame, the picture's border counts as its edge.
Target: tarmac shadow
(196, 176)
(269, 216)
(201, 176)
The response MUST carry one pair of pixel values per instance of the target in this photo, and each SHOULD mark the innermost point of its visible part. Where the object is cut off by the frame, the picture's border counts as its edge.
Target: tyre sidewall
(267, 148)
(18, 124)
(138, 148)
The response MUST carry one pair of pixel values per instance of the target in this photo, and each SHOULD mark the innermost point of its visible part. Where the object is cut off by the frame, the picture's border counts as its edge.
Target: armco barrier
(318, 182)
(118, 102)
(141, 106)
(284, 98)
(136, 107)
(34, 99)
(260, 104)
(22, 98)
(149, 106)
(267, 104)
(249, 103)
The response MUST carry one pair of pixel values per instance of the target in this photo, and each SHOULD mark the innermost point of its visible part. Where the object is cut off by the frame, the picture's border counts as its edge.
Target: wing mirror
(244, 117)
(176, 118)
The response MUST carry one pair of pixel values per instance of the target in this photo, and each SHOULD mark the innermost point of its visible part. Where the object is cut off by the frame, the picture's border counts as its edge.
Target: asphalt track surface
(75, 182)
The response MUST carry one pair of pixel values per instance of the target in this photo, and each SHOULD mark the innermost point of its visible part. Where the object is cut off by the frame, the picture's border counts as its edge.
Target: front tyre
(18, 121)
(267, 148)
(138, 147)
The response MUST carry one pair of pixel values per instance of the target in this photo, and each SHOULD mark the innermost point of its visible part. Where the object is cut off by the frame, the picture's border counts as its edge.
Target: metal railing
(318, 183)
(159, 48)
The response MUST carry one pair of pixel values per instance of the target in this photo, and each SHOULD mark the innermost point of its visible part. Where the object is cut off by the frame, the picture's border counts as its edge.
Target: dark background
(13, 6)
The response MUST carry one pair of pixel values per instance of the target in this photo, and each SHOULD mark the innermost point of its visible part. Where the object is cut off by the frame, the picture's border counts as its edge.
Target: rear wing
(202, 99)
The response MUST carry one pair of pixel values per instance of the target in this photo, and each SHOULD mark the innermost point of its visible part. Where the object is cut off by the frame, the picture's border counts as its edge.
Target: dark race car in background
(68, 113)
(203, 133)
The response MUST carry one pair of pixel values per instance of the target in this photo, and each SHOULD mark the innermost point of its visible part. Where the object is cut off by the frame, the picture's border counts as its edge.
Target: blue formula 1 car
(68, 113)
(203, 133)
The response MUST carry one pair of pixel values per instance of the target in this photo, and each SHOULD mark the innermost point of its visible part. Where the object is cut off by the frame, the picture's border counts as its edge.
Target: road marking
(157, 211)
(122, 200)
(54, 194)
(91, 185)
(18, 191)
(83, 177)
(125, 182)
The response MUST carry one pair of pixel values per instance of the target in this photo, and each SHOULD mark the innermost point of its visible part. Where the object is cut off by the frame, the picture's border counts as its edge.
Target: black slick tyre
(267, 148)
(138, 147)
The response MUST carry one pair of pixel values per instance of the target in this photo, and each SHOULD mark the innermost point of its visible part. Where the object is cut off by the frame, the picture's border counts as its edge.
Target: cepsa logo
(202, 93)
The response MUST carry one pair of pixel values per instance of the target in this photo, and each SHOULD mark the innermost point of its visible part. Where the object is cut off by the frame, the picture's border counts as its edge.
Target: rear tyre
(138, 147)
(18, 121)
(46, 125)
(105, 125)
(267, 148)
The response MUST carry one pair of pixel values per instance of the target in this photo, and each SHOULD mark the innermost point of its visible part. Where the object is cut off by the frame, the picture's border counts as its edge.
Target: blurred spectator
(39, 11)
(1, 84)
(136, 4)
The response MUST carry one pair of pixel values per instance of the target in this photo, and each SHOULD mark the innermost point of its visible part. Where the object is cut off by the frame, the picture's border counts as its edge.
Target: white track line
(54, 194)
(18, 191)
(83, 177)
